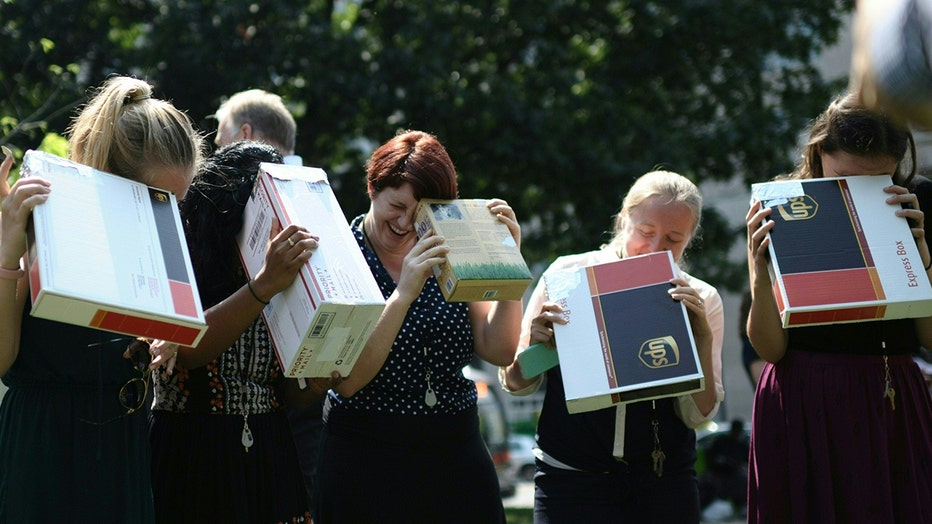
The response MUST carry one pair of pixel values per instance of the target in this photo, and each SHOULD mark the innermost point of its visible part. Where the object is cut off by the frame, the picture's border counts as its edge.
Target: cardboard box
(110, 253)
(839, 254)
(484, 262)
(626, 339)
(322, 321)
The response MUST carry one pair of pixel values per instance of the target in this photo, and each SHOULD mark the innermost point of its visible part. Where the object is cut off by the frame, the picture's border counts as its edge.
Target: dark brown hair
(849, 127)
(416, 158)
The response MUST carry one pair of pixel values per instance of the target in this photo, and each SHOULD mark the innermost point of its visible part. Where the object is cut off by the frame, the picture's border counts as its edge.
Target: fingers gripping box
(627, 339)
(109, 253)
(321, 322)
(484, 262)
(838, 253)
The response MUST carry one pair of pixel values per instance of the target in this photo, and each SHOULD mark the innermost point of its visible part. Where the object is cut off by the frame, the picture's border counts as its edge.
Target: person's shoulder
(582, 259)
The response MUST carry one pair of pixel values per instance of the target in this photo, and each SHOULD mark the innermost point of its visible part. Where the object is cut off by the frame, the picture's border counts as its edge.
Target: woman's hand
(417, 266)
(695, 307)
(764, 326)
(304, 393)
(506, 215)
(163, 354)
(542, 325)
(908, 206)
(17, 204)
(758, 228)
(288, 251)
(540, 332)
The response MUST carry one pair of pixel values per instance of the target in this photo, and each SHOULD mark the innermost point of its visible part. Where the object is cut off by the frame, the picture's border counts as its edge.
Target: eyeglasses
(133, 394)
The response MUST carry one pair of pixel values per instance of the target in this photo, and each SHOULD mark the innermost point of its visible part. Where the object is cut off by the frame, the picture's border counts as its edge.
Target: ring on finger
(290, 242)
(699, 302)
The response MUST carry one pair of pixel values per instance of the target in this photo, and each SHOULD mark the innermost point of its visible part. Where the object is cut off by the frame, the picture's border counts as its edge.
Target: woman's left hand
(163, 354)
(695, 306)
(506, 214)
(913, 214)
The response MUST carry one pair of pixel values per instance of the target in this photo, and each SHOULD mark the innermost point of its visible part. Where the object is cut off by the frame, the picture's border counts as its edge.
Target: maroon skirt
(827, 447)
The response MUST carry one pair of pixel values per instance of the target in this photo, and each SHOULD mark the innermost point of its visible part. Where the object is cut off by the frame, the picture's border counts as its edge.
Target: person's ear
(246, 130)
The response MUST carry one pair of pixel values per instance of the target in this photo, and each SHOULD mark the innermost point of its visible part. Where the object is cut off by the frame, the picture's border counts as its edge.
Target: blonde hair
(271, 121)
(673, 188)
(124, 131)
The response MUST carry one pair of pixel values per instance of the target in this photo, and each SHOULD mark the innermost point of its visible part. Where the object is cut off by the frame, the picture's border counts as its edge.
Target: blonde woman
(73, 442)
(598, 466)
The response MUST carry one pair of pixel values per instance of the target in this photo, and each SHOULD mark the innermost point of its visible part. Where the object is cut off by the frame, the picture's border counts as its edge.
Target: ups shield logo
(659, 353)
(798, 208)
(161, 197)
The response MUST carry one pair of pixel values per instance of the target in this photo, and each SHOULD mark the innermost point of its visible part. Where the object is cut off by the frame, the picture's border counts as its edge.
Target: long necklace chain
(244, 364)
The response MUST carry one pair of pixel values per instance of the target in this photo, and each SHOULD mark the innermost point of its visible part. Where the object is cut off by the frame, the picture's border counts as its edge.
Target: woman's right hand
(758, 228)
(17, 204)
(429, 251)
(764, 326)
(542, 326)
(289, 249)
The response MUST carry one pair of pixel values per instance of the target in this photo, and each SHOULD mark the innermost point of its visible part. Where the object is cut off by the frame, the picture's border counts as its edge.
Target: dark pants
(625, 495)
(306, 427)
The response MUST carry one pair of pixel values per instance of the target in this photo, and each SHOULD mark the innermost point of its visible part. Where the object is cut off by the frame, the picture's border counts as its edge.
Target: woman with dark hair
(221, 444)
(401, 439)
(842, 422)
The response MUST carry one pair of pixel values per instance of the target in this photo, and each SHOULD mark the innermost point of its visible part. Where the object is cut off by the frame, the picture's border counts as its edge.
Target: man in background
(262, 116)
(257, 115)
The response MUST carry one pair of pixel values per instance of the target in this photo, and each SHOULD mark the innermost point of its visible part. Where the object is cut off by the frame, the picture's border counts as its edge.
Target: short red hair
(416, 158)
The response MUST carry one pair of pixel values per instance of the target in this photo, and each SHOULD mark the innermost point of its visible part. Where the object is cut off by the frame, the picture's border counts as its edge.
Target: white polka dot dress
(435, 341)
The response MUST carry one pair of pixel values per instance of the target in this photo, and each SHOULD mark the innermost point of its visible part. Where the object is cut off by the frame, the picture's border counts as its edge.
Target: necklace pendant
(430, 398)
(247, 435)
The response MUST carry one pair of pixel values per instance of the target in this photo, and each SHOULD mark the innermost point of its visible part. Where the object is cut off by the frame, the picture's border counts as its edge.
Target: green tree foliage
(555, 106)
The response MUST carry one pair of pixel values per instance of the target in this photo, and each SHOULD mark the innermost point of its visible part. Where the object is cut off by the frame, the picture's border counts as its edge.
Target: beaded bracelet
(249, 285)
(12, 274)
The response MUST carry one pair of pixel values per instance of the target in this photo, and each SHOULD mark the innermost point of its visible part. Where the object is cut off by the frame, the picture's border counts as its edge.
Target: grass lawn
(519, 515)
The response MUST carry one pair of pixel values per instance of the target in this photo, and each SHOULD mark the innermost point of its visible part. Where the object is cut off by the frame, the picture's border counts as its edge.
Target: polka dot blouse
(435, 339)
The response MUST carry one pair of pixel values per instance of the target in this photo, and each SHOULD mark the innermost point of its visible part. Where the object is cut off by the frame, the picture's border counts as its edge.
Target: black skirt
(403, 468)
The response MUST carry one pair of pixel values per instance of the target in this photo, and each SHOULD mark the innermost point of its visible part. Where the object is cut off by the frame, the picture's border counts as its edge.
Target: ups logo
(798, 208)
(161, 197)
(659, 352)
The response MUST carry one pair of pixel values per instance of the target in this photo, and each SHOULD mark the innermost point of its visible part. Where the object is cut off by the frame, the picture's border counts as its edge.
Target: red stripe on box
(830, 287)
(830, 316)
(145, 327)
(603, 342)
(35, 283)
(778, 295)
(632, 273)
(856, 222)
(182, 298)
(285, 220)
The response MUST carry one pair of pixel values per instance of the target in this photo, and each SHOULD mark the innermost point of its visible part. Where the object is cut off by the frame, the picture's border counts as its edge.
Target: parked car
(521, 453)
(493, 425)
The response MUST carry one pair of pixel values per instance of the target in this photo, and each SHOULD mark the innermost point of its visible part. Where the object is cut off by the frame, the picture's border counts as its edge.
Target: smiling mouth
(399, 232)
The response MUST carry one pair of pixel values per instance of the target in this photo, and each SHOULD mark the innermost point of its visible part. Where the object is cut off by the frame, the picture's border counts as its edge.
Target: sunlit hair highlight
(125, 131)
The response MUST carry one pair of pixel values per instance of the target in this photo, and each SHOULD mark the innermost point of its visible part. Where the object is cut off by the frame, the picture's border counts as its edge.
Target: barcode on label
(322, 325)
(489, 293)
(254, 235)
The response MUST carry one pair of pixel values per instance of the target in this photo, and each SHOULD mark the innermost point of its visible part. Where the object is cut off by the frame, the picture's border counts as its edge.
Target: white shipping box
(322, 321)
(838, 252)
(627, 340)
(110, 253)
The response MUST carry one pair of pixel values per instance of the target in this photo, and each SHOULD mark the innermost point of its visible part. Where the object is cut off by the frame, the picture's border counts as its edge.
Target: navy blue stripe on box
(635, 317)
(172, 253)
(826, 241)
